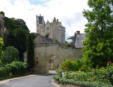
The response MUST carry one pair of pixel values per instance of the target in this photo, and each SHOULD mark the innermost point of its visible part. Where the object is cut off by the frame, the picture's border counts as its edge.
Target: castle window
(40, 19)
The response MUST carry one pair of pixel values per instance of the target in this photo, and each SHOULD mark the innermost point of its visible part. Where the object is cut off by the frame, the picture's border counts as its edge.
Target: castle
(53, 30)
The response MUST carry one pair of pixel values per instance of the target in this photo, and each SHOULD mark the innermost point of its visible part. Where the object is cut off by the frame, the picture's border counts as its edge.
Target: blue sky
(69, 12)
(36, 2)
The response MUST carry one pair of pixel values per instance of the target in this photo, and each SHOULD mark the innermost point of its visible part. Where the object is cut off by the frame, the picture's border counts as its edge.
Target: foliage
(54, 41)
(102, 77)
(16, 35)
(10, 54)
(17, 68)
(1, 64)
(30, 51)
(69, 44)
(14, 68)
(81, 83)
(109, 74)
(12, 23)
(21, 39)
(59, 72)
(67, 65)
(77, 64)
(85, 67)
(3, 71)
(1, 45)
(18, 39)
(47, 35)
(98, 48)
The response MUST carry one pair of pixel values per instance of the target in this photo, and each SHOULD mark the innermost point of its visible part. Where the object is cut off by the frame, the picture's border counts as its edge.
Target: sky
(69, 12)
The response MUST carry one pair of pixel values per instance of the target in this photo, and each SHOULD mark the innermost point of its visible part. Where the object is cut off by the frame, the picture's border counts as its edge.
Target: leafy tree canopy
(12, 23)
(16, 34)
(18, 38)
(98, 48)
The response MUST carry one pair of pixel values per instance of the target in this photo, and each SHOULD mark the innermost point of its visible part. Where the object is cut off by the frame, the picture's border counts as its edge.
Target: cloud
(69, 12)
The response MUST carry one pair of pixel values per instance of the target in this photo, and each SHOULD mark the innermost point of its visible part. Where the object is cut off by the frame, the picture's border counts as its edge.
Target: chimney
(77, 32)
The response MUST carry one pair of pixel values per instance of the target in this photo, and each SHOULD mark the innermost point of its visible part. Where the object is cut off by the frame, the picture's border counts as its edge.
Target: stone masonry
(53, 30)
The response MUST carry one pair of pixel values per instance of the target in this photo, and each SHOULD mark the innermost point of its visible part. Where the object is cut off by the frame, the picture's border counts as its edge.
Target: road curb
(6, 81)
(55, 84)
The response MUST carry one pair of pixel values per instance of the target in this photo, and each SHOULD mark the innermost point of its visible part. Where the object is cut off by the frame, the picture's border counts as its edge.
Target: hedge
(14, 68)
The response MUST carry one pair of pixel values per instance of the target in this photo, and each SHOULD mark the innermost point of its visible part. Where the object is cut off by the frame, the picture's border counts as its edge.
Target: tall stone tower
(40, 24)
(53, 30)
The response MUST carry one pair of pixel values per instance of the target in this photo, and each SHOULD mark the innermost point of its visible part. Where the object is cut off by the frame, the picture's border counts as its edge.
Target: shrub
(77, 64)
(102, 77)
(3, 72)
(16, 68)
(9, 55)
(81, 83)
(67, 65)
(59, 72)
(85, 68)
(1, 64)
(69, 44)
(109, 74)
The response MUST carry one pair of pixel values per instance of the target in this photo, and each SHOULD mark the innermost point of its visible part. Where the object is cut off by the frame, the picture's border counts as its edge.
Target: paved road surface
(32, 81)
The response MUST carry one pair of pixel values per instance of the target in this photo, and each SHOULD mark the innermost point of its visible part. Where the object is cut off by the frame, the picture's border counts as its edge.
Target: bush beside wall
(14, 68)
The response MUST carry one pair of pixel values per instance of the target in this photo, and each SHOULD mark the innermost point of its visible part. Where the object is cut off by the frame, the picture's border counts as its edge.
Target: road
(29, 81)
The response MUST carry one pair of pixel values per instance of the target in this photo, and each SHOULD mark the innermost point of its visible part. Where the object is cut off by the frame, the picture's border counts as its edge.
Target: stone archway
(51, 62)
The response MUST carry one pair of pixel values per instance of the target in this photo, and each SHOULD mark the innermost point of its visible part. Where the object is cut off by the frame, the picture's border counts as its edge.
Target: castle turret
(40, 24)
(54, 20)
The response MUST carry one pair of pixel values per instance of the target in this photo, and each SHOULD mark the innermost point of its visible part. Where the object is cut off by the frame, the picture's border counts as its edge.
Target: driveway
(29, 81)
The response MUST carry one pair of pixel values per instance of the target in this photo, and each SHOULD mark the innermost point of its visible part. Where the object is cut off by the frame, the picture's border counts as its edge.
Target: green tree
(10, 54)
(30, 51)
(98, 48)
(21, 39)
(12, 23)
(18, 38)
(16, 34)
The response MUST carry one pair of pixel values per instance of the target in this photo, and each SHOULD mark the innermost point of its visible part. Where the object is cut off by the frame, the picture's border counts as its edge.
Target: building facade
(49, 55)
(53, 30)
(78, 39)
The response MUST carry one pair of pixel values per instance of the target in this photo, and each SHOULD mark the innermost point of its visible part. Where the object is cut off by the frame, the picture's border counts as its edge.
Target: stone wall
(49, 56)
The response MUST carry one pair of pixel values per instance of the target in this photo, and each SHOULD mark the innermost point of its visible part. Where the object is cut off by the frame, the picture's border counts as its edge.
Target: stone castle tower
(53, 30)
